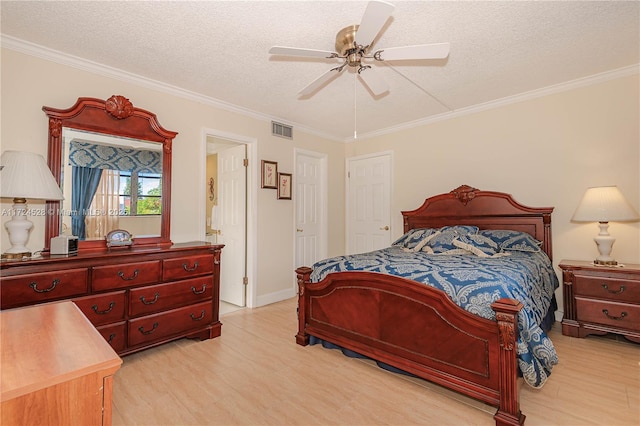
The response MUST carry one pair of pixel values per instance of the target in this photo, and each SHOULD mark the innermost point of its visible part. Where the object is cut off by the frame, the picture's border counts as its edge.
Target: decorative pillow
(461, 229)
(413, 238)
(477, 244)
(499, 236)
(523, 242)
(443, 241)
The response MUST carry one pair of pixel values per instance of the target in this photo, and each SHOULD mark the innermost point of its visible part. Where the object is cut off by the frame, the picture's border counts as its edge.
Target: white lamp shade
(604, 204)
(26, 175)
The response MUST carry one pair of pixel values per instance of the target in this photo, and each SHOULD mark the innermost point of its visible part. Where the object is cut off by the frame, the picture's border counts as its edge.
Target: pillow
(443, 241)
(413, 237)
(523, 242)
(499, 236)
(461, 229)
(477, 244)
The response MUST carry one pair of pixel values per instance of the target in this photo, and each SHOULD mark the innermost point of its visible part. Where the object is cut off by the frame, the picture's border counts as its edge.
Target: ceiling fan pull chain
(355, 109)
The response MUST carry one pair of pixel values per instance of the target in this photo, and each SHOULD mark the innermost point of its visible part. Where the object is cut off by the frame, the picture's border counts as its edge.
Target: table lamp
(24, 175)
(604, 204)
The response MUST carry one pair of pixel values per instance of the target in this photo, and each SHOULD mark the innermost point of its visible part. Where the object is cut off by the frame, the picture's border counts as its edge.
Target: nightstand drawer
(620, 315)
(611, 288)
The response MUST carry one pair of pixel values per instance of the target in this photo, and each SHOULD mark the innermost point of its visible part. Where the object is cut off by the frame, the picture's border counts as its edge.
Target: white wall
(545, 152)
(29, 83)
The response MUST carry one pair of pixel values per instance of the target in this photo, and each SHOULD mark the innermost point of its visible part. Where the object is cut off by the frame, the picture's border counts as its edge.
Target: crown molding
(33, 49)
(42, 52)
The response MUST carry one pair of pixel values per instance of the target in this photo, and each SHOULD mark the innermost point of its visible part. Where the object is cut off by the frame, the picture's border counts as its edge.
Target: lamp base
(15, 256)
(605, 262)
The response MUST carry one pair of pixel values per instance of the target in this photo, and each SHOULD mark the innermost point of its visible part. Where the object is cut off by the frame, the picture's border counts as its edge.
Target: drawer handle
(34, 286)
(141, 329)
(204, 287)
(186, 268)
(622, 315)
(216, 262)
(111, 337)
(106, 311)
(132, 277)
(606, 287)
(150, 302)
(200, 318)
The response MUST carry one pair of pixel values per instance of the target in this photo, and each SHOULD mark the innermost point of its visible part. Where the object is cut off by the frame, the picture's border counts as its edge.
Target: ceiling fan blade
(299, 51)
(421, 51)
(373, 81)
(375, 15)
(320, 81)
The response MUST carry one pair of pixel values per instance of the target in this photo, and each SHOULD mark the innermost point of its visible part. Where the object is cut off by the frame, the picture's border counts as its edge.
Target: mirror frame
(115, 116)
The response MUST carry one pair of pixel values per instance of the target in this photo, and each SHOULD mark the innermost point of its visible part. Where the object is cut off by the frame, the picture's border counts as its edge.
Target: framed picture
(284, 186)
(269, 174)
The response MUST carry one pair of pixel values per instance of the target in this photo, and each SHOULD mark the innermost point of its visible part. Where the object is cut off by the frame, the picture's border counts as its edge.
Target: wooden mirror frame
(117, 117)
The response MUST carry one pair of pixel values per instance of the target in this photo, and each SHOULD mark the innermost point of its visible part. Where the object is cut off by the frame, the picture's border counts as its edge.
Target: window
(140, 194)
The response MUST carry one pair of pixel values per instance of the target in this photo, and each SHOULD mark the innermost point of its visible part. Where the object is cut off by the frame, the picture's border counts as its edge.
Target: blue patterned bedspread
(474, 283)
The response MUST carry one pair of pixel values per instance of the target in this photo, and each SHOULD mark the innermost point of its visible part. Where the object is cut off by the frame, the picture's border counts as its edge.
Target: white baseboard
(278, 296)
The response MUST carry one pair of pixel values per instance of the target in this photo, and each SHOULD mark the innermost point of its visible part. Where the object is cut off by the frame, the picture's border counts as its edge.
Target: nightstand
(601, 299)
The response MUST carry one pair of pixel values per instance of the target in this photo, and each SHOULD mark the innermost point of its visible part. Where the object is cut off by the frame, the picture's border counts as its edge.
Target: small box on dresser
(601, 299)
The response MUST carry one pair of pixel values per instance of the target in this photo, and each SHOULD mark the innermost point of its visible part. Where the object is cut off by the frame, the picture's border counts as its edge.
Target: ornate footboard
(417, 329)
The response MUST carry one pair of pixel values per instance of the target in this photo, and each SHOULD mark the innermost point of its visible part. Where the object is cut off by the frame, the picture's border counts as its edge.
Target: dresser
(56, 368)
(136, 297)
(601, 299)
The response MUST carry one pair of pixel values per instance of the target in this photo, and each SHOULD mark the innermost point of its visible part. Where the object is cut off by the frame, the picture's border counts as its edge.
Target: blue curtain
(84, 181)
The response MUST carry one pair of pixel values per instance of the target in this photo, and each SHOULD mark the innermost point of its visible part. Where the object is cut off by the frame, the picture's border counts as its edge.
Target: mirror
(113, 163)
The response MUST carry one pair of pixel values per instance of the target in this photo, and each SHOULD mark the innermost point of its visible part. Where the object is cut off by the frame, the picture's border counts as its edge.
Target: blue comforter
(474, 283)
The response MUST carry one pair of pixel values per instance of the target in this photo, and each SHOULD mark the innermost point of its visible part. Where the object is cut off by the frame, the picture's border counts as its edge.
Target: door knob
(298, 230)
(386, 228)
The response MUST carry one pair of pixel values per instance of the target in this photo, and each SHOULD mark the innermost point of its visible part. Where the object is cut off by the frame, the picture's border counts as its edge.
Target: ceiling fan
(353, 45)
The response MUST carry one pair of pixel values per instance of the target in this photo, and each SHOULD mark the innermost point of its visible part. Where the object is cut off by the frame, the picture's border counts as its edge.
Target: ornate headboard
(485, 209)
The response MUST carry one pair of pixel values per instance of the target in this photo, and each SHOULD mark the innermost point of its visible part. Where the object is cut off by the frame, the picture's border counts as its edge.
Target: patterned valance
(95, 156)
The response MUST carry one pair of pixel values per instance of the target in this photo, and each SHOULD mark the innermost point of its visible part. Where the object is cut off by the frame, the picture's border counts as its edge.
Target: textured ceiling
(219, 50)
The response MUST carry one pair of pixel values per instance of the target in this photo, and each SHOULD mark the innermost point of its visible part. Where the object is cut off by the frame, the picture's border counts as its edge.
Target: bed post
(507, 317)
(303, 274)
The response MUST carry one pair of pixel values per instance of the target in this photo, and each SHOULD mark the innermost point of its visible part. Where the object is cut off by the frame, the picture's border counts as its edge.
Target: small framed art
(284, 186)
(269, 174)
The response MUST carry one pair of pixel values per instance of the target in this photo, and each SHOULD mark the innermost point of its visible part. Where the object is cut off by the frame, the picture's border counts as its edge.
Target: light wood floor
(255, 374)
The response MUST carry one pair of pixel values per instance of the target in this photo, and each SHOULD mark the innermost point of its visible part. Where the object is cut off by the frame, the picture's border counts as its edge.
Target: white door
(231, 221)
(369, 203)
(310, 208)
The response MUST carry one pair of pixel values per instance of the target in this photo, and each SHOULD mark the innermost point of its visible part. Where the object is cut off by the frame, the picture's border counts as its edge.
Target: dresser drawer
(42, 287)
(115, 335)
(622, 315)
(186, 267)
(103, 308)
(125, 275)
(146, 300)
(611, 288)
(166, 324)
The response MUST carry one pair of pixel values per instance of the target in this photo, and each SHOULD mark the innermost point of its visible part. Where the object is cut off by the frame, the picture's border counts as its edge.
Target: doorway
(227, 215)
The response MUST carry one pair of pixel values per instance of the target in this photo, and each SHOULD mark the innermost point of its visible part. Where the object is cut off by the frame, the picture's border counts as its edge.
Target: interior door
(231, 221)
(309, 182)
(369, 203)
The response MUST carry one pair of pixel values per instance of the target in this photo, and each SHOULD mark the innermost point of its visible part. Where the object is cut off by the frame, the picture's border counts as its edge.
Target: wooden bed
(479, 358)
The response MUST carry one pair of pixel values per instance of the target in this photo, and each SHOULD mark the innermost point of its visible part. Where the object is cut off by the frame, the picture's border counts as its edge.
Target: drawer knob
(34, 286)
(200, 318)
(150, 302)
(132, 277)
(622, 315)
(606, 287)
(106, 311)
(193, 289)
(188, 269)
(141, 329)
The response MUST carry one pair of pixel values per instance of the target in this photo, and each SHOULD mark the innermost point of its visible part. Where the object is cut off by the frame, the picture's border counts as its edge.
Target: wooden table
(55, 369)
